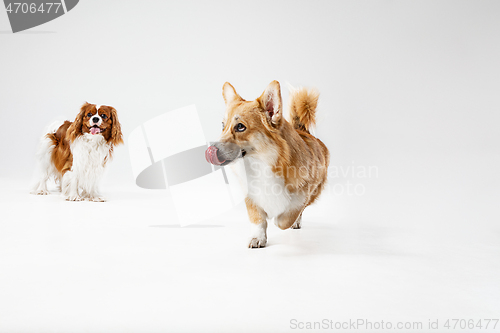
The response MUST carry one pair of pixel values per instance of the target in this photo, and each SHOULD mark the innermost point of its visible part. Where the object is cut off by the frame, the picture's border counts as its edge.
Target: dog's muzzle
(212, 155)
(223, 153)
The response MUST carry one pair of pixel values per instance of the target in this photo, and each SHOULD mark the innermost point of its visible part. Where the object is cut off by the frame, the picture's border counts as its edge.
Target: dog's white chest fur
(89, 152)
(267, 190)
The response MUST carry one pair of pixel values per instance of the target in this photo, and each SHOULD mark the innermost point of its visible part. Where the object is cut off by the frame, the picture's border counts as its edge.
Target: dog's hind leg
(289, 219)
(59, 183)
(44, 167)
(40, 187)
(298, 223)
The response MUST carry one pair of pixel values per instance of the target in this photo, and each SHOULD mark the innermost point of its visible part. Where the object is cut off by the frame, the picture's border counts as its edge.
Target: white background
(410, 87)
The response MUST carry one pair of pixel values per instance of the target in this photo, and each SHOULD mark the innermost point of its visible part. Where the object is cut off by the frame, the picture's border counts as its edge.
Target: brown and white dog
(76, 153)
(285, 166)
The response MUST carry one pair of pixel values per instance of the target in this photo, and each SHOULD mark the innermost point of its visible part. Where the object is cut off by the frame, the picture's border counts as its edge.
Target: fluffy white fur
(90, 153)
(265, 188)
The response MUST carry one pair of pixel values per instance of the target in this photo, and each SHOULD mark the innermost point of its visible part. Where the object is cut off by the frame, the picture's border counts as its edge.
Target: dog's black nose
(95, 120)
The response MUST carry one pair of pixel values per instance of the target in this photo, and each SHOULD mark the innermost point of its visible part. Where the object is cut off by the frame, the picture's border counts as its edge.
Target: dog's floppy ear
(75, 129)
(229, 93)
(116, 129)
(270, 101)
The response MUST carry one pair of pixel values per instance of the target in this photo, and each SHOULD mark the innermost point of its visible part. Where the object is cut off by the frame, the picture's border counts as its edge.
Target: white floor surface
(126, 266)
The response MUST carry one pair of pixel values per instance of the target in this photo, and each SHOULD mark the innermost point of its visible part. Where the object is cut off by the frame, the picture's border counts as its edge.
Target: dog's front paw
(257, 242)
(258, 236)
(97, 199)
(73, 198)
(40, 192)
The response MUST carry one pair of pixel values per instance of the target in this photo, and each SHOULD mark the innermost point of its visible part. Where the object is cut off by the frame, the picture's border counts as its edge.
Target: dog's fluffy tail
(303, 103)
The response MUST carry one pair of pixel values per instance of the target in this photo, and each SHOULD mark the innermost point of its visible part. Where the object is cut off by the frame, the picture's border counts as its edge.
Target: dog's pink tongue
(95, 130)
(211, 156)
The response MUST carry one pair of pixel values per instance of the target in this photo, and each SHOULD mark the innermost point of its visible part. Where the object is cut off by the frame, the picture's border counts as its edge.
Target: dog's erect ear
(270, 101)
(75, 129)
(229, 93)
(116, 129)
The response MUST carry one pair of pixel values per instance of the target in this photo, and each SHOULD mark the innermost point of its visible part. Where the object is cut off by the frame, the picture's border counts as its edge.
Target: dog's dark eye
(222, 125)
(104, 116)
(89, 114)
(240, 127)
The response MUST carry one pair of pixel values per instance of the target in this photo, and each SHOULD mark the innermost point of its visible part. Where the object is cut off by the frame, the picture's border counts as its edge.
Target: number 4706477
(25, 7)
(471, 324)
